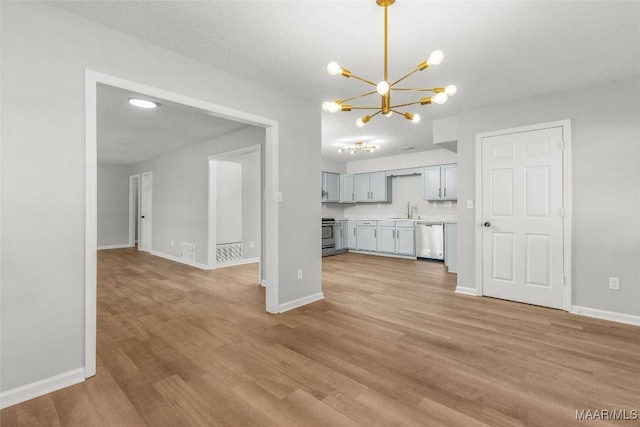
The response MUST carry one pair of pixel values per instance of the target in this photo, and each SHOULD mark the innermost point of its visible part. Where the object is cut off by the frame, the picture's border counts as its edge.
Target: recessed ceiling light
(406, 148)
(143, 103)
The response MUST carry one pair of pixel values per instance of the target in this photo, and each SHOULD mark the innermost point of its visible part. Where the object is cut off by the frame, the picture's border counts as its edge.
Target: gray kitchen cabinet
(341, 236)
(351, 235)
(330, 187)
(371, 187)
(386, 236)
(405, 238)
(440, 182)
(346, 189)
(366, 235)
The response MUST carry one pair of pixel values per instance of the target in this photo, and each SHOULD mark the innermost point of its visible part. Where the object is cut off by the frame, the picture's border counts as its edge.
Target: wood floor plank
(392, 344)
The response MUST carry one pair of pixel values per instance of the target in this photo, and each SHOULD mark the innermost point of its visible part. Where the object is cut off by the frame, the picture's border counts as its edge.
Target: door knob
(487, 224)
(142, 216)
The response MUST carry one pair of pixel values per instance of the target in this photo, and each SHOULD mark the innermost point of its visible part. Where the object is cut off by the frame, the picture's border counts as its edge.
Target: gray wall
(113, 204)
(44, 54)
(606, 186)
(181, 191)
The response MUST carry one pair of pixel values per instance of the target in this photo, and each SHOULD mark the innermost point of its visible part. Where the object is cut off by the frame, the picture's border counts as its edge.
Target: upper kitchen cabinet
(330, 187)
(346, 189)
(371, 187)
(440, 182)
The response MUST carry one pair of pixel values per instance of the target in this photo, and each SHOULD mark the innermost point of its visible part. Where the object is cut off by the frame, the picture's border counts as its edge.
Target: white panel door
(145, 211)
(522, 215)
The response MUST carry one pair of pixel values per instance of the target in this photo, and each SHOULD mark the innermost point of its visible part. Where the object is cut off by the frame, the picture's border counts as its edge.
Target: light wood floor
(390, 345)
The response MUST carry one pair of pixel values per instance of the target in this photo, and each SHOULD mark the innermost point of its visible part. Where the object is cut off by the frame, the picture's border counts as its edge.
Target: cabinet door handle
(375, 233)
(394, 234)
(439, 192)
(354, 231)
(445, 191)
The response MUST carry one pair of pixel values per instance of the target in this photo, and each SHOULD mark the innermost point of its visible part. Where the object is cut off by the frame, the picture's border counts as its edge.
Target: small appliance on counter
(430, 240)
(328, 236)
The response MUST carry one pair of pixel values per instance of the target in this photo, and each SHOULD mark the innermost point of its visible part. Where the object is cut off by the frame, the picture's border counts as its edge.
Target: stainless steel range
(328, 236)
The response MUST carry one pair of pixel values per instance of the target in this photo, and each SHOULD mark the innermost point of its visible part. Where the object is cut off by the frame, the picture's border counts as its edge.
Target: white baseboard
(39, 388)
(466, 291)
(126, 245)
(606, 315)
(384, 254)
(180, 260)
(238, 262)
(300, 302)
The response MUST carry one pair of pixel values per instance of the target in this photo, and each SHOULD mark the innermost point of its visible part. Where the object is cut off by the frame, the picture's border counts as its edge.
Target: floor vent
(228, 252)
(188, 251)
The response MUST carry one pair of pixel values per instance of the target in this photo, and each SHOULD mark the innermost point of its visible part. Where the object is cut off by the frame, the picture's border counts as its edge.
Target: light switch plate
(469, 204)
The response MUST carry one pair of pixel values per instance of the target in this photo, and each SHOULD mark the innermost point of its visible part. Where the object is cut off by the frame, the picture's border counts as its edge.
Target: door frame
(212, 229)
(133, 201)
(566, 184)
(141, 235)
(271, 190)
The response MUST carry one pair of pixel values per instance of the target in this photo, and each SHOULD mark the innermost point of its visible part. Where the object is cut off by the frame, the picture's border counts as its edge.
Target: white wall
(44, 54)
(228, 199)
(181, 191)
(606, 186)
(113, 204)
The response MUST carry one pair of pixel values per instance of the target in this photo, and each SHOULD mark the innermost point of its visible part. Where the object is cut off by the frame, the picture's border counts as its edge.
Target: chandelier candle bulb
(382, 88)
(435, 58)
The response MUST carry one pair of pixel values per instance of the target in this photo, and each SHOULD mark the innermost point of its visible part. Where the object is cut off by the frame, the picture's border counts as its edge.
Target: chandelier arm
(415, 89)
(365, 108)
(410, 73)
(405, 105)
(364, 80)
(358, 96)
(375, 114)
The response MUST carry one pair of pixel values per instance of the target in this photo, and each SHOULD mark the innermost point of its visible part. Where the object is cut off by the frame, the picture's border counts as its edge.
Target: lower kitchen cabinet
(366, 236)
(341, 236)
(351, 235)
(388, 237)
(405, 243)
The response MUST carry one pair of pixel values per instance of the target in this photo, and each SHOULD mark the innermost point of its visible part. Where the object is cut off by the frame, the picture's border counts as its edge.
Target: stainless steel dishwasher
(430, 240)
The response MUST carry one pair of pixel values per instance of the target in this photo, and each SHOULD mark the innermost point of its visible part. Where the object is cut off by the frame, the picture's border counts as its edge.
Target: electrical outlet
(299, 274)
(469, 204)
(448, 204)
(435, 204)
(252, 244)
(614, 283)
(172, 242)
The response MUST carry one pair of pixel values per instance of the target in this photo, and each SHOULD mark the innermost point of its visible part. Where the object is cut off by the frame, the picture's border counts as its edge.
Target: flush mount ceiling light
(384, 87)
(360, 146)
(143, 103)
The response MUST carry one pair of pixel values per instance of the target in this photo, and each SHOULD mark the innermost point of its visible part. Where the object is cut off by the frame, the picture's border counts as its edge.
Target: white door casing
(522, 215)
(146, 213)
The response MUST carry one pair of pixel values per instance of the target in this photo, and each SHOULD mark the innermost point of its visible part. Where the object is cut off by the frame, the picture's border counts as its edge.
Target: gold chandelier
(360, 146)
(384, 87)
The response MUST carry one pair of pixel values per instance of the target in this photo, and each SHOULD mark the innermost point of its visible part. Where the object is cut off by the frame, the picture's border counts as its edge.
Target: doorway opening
(269, 194)
(235, 208)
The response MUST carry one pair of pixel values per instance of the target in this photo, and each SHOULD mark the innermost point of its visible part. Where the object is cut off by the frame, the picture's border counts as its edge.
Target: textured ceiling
(128, 134)
(495, 51)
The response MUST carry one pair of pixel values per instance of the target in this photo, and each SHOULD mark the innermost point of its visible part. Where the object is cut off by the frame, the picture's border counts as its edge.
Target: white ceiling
(129, 134)
(495, 51)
